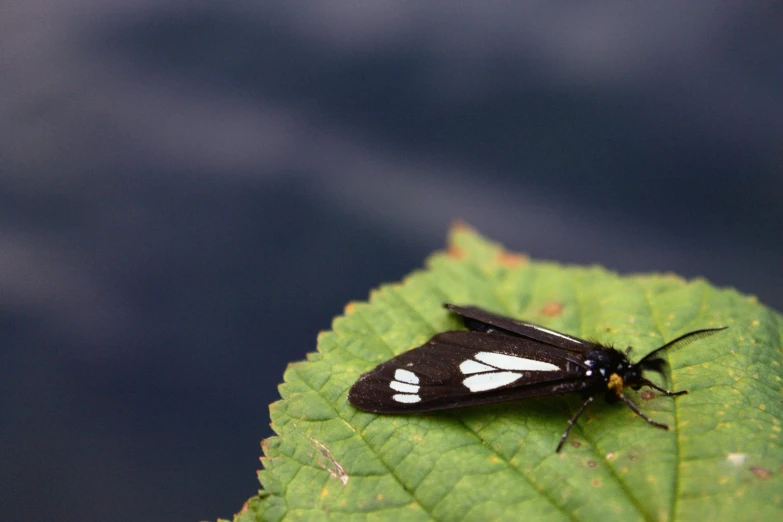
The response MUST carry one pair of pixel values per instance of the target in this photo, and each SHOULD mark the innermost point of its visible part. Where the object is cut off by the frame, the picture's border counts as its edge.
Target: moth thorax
(615, 384)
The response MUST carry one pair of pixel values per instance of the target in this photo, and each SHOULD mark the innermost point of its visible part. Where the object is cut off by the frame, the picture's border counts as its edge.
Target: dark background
(190, 191)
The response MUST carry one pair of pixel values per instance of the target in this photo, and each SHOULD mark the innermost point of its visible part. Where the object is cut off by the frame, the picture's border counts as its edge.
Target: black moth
(502, 359)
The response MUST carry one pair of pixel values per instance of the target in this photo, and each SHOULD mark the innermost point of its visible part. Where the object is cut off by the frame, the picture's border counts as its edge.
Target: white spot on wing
(402, 387)
(406, 376)
(490, 381)
(471, 366)
(509, 362)
(558, 334)
(406, 398)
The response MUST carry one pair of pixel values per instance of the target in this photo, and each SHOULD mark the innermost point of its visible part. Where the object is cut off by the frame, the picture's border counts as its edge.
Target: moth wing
(475, 319)
(464, 368)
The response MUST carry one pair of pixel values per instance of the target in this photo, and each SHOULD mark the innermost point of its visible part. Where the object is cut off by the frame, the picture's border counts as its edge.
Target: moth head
(632, 376)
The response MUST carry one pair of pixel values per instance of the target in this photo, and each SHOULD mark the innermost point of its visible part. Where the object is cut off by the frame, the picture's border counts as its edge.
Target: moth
(501, 359)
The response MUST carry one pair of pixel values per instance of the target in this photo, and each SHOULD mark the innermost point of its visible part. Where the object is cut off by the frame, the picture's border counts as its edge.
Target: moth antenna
(680, 342)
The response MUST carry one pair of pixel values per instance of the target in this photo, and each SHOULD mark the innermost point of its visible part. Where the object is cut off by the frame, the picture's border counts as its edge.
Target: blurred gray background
(190, 191)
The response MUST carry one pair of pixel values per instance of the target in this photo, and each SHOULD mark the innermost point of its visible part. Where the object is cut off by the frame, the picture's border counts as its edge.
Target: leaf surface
(721, 460)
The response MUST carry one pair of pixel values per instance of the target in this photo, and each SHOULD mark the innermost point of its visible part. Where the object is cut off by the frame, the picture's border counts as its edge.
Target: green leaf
(721, 460)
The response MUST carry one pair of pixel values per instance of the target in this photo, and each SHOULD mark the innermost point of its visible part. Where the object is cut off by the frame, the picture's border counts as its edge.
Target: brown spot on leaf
(511, 259)
(552, 309)
(591, 463)
(632, 456)
(596, 482)
(576, 444)
(762, 473)
(456, 252)
(647, 395)
(350, 308)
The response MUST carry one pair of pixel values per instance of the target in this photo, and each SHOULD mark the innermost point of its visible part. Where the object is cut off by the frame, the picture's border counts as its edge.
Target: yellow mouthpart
(616, 384)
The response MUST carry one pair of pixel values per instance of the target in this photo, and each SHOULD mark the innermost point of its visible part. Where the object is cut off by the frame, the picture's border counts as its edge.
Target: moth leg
(637, 411)
(572, 421)
(651, 384)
